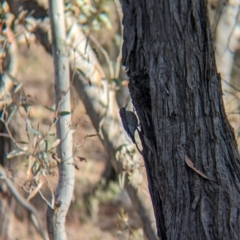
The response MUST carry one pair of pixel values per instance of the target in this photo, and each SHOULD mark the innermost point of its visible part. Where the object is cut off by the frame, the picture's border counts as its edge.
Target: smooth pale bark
(56, 216)
(176, 91)
(226, 40)
(226, 43)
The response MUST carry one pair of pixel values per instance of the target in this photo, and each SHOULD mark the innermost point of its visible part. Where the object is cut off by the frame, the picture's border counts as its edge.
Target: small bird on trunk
(130, 122)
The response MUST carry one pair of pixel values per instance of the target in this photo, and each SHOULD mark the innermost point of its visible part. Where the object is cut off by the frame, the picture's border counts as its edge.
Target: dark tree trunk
(176, 90)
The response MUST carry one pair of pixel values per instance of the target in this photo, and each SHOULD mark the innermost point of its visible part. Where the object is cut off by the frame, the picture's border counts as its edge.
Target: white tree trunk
(56, 216)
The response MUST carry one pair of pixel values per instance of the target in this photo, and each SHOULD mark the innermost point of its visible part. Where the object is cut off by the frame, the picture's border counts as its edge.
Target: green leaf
(92, 135)
(31, 129)
(103, 17)
(56, 158)
(42, 156)
(36, 189)
(117, 81)
(46, 145)
(15, 153)
(81, 159)
(31, 161)
(23, 142)
(64, 113)
(55, 143)
(82, 18)
(76, 166)
(121, 179)
(18, 87)
(52, 134)
(35, 142)
(52, 108)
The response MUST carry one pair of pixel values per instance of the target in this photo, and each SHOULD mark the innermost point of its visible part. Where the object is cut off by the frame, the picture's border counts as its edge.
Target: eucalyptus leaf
(64, 113)
(55, 143)
(15, 153)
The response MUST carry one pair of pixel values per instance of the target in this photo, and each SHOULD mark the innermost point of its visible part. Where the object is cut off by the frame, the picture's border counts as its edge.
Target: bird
(130, 122)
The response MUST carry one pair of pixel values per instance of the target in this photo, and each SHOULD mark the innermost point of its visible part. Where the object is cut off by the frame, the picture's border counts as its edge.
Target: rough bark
(177, 94)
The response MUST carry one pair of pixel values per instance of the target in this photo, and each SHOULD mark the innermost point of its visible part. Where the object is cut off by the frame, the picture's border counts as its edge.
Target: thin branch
(105, 54)
(28, 206)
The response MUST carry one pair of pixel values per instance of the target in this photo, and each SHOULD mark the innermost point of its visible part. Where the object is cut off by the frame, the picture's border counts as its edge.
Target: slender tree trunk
(56, 216)
(177, 94)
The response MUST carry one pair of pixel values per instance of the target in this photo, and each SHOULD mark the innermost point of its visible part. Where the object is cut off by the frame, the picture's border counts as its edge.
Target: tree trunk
(56, 216)
(176, 90)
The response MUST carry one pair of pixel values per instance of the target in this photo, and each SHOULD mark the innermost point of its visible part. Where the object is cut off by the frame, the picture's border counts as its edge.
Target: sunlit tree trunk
(56, 216)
